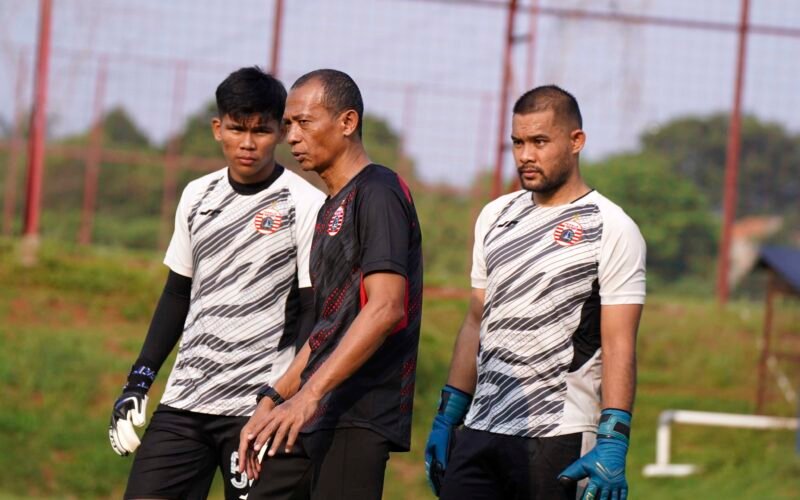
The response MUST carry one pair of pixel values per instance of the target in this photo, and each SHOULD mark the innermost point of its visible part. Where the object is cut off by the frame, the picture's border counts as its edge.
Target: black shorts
(180, 453)
(340, 464)
(487, 466)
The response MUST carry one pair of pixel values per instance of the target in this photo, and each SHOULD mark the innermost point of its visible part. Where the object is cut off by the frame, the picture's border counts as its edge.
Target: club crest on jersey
(335, 224)
(267, 221)
(568, 233)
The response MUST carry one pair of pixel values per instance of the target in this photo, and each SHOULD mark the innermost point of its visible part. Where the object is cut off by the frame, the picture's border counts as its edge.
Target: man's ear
(349, 122)
(216, 128)
(578, 139)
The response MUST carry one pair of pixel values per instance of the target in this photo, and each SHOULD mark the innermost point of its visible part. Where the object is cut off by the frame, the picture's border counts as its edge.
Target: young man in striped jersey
(237, 295)
(346, 401)
(544, 364)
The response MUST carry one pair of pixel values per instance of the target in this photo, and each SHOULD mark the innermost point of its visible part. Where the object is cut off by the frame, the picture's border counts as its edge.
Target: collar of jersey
(256, 187)
(563, 204)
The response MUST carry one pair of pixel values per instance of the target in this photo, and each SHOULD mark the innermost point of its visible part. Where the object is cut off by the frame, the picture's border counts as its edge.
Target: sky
(431, 68)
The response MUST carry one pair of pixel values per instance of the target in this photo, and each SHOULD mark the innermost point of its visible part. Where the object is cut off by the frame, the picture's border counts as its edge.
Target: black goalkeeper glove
(130, 410)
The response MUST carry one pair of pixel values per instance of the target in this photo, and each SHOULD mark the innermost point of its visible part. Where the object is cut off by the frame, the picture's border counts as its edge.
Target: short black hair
(340, 92)
(250, 91)
(564, 105)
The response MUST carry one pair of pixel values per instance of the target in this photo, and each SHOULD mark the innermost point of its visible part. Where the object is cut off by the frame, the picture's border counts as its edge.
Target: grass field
(71, 327)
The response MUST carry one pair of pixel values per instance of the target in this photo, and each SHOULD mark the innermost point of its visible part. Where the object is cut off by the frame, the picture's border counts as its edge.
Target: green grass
(71, 326)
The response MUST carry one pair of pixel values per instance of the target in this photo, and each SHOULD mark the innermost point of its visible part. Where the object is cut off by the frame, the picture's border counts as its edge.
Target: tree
(119, 129)
(672, 213)
(696, 148)
(196, 138)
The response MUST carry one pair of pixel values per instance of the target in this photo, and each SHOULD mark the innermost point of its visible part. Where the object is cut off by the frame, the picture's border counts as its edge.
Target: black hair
(564, 105)
(340, 92)
(251, 91)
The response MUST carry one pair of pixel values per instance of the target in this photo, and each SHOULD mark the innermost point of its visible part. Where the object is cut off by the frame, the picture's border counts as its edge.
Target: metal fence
(436, 71)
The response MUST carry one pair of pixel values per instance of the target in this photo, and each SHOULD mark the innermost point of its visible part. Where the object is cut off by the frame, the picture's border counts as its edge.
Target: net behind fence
(131, 85)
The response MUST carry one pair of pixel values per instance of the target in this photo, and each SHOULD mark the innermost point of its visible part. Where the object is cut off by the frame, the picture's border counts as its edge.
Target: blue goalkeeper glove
(453, 406)
(130, 410)
(605, 464)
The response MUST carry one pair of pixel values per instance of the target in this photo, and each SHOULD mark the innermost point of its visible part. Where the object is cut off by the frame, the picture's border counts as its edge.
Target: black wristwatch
(271, 393)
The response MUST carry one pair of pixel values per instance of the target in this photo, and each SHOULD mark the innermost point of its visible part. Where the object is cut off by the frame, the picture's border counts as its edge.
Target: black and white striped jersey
(546, 272)
(247, 254)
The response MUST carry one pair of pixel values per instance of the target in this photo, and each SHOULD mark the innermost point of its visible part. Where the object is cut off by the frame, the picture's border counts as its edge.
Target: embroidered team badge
(267, 221)
(568, 233)
(335, 224)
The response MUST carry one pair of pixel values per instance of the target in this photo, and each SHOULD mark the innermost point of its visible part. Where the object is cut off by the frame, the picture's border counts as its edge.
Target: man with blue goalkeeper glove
(558, 285)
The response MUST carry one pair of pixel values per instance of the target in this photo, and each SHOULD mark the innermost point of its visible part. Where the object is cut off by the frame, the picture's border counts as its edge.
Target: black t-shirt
(370, 226)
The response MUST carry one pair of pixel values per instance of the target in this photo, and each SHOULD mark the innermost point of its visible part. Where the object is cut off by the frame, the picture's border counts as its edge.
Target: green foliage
(671, 212)
(120, 130)
(695, 147)
(446, 221)
(67, 346)
(196, 138)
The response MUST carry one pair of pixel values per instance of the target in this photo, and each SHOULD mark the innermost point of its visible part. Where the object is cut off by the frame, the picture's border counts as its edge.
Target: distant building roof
(785, 261)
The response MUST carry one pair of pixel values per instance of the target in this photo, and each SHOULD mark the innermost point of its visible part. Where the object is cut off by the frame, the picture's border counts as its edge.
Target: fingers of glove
(591, 491)
(121, 409)
(604, 493)
(429, 453)
(623, 494)
(139, 413)
(615, 494)
(126, 436)
(115, 444)
(436, 477)
(575, 472)
(437, 452)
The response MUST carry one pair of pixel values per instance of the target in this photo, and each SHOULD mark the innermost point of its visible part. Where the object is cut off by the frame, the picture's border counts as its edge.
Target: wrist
(140, 378)
(614, 424)
(454, 404)
(268, 392)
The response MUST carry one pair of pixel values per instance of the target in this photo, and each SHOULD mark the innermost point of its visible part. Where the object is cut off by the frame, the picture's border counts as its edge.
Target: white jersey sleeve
(308, 201)
(486, 218)
(179, 253)
(621, 267)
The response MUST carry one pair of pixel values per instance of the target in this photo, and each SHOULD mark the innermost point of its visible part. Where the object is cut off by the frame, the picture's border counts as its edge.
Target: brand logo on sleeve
(335, 224)
(267, 221)
(568, 233)
(510, 223)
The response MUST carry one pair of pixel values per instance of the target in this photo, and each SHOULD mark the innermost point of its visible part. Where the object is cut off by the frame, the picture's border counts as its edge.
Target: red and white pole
(732, 163)
(277, 24)
(497, 182)
(36, 140)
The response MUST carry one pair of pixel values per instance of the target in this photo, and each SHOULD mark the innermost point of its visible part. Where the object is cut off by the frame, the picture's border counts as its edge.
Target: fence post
(93, 158)
(171, 157)
(732, 163)
(36, 139)
(10, 198)
(497, 184)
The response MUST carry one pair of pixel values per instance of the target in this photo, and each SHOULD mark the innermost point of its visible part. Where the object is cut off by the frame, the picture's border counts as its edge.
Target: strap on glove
(130, 410)
(605, 464)
(453, 406)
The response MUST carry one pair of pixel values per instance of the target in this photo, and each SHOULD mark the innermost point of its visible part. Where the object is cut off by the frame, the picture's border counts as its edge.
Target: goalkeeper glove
(130, 410)
(453, 406)
(605, 464)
